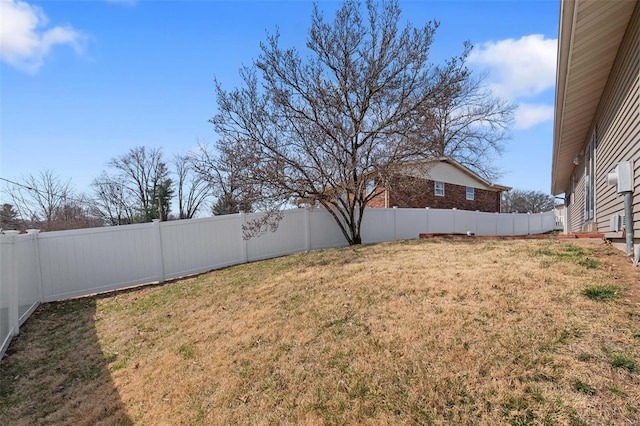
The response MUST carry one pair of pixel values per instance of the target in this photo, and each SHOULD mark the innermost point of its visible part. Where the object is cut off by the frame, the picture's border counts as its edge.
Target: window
(589, 180)
(471, 193)
(371, 186)
(439, 189)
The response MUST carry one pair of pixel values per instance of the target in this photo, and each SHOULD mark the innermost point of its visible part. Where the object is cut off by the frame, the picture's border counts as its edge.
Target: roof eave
(567, 17)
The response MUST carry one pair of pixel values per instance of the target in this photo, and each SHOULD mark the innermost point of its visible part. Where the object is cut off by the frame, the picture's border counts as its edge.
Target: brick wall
(419, 193)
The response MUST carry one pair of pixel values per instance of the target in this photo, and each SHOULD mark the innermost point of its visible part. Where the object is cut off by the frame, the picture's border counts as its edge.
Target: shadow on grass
(55, 371)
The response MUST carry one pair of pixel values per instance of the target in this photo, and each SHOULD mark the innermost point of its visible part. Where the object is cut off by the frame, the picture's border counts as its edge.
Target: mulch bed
(514, 237)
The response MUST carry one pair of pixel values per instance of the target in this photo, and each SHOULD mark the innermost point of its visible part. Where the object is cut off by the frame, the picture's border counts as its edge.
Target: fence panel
(549, 222)
(535, 224)
(27, 275)
(323, 230)
(199, 245)
(464, 221)
(7, 304)
(290, 236)
(487, 223)
(410, 223)
(521, 224)
(441, 221)
(378, 225)
(81, 262)
(506, 224)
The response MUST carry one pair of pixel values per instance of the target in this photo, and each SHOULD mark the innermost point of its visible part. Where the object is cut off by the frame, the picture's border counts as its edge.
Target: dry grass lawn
(416, 332)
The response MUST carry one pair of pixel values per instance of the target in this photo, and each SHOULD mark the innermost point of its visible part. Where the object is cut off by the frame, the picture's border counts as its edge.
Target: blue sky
(84, 81)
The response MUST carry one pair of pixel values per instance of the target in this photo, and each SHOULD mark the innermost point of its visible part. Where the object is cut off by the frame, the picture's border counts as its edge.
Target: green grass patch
(583, 387)
(187, 351)
(589, 263)
(602, 292)
(616, 391)
(621, 361)
(571, 253)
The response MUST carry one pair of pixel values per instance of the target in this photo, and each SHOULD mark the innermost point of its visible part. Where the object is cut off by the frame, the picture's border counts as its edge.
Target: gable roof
(589, 37)
(466, 171)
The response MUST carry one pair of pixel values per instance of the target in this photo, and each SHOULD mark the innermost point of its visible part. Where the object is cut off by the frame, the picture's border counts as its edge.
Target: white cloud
(24, 39)
(530, 115)
(518, 68)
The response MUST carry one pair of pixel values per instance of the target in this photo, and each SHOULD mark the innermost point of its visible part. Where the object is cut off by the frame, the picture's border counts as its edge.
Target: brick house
(439, 184)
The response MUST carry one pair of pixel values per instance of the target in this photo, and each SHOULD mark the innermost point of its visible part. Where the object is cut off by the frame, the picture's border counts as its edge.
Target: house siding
(617, 126)
(577, 204)
(445, 172)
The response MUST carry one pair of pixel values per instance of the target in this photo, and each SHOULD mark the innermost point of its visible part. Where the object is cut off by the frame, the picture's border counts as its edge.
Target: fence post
(477, 216)
(38, 265)
(244, 248)
(157, 248)
(307, 228)
(453, 231)
(395, 220)
(14, 314)
(427, 220)
(528, 223)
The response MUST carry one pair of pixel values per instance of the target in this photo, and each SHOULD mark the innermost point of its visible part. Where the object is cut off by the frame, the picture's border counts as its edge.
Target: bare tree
(112, 202)
(75, 214)
(38, 197)
(229, 180)
(523, 201)
(318, 129)
(471, 126)
(193, 189)
(140, 189)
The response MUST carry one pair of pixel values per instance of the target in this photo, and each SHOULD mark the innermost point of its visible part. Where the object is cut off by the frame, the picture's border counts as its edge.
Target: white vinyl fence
(49, 266)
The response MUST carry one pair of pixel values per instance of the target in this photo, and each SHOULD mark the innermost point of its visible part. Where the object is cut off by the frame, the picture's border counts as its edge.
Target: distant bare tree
(111, 202)
(318, 129)
(138, 191)
(229, 180)
(75, 214)
(38, 197)
(193, 189)
(523, 201)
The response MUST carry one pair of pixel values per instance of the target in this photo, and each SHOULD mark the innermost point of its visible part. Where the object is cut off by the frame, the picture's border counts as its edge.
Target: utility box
(622, 177)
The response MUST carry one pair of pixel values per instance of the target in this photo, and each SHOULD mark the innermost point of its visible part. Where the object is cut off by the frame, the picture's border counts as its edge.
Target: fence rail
(49, 266)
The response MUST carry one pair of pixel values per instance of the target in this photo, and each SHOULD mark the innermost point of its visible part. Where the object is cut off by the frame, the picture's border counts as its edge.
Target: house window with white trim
(371, 186)
(471, 193)
(439, 189)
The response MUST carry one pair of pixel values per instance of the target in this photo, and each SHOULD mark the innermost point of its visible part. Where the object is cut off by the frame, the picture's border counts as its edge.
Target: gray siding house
(597, 113)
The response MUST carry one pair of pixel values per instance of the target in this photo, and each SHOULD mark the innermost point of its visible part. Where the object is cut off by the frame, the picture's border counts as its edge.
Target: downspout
(628, 225)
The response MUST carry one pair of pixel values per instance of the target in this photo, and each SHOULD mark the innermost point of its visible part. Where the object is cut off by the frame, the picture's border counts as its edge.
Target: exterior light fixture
(576, 159)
